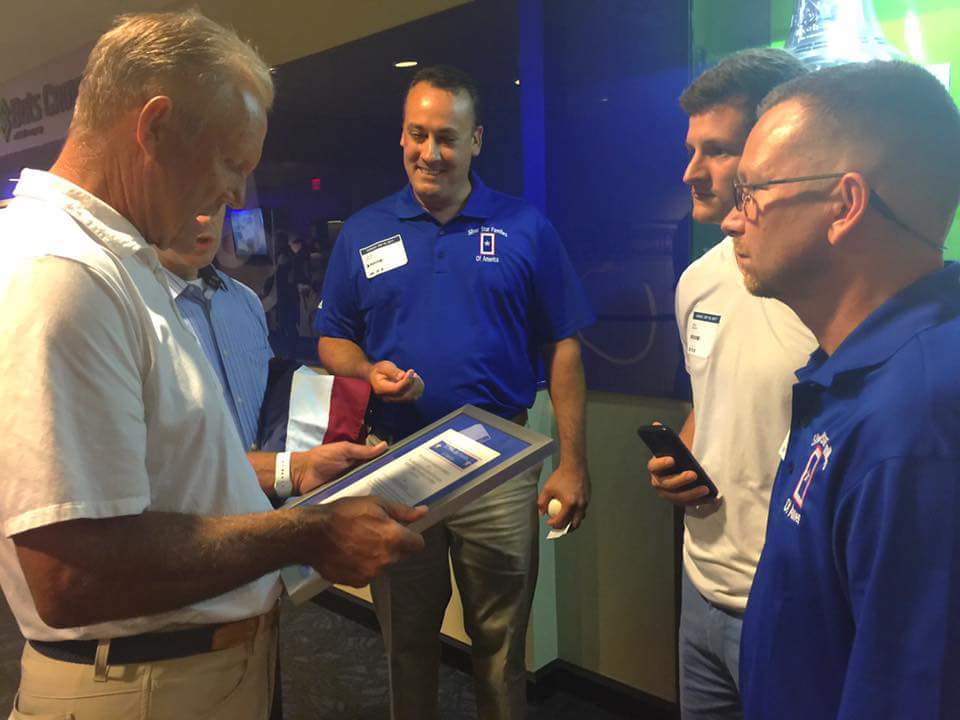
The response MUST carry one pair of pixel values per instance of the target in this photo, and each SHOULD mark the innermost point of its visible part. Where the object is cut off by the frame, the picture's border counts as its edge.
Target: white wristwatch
(282, 484)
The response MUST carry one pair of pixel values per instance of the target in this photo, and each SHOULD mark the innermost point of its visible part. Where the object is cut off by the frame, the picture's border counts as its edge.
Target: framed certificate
(443, 466)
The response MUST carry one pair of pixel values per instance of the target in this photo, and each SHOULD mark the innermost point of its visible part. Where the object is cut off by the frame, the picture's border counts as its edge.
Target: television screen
(249, 237)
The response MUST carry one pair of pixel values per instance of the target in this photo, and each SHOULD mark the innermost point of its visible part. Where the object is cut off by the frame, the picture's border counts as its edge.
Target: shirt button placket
(440, 251)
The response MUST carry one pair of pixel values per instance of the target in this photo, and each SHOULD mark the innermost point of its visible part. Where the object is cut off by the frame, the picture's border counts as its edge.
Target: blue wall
(612, 159)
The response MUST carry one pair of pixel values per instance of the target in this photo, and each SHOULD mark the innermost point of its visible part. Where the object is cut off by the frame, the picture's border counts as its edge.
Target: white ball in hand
(554, 507)
(418, 387)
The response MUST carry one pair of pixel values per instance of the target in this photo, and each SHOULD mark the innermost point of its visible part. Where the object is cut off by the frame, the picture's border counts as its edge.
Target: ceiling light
(405, 64)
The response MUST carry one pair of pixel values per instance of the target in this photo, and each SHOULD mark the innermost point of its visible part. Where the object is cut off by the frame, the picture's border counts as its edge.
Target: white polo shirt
(741, 352)
(108, 404)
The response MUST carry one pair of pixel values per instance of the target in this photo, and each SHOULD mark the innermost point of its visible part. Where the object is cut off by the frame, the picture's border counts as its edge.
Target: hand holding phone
(664, 442)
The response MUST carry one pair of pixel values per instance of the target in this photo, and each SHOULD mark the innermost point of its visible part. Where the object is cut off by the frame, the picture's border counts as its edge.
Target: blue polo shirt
(855, 606)
(470, 309)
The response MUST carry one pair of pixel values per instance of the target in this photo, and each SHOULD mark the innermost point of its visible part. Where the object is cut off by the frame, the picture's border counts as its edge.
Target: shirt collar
(109, 227)
(177, 285)
(479, 203)
(917, 307)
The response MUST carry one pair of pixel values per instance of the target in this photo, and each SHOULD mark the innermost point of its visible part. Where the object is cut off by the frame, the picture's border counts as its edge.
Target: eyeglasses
(743, 195)
(743, 192)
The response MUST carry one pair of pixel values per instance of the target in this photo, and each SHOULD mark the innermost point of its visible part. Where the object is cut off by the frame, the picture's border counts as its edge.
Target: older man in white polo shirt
(139, 550)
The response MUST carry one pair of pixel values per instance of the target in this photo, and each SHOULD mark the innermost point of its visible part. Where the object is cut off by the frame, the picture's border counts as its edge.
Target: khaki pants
(492, 543)
(231, 684)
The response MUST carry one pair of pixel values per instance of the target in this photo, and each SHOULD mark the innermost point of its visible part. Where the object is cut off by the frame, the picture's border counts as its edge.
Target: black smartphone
(664, 442)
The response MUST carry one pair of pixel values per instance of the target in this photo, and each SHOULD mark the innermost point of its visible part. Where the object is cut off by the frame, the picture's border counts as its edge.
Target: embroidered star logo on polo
(488, 243)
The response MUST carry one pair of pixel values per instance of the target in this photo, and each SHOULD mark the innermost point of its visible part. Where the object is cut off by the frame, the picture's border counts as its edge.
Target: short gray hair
(179, 54)
(903, 112)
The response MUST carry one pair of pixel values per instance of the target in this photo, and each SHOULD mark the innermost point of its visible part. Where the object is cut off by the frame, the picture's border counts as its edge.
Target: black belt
(152, 647)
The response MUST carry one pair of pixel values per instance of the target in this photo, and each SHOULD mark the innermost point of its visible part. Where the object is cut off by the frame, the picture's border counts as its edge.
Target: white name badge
(702, 334)
(383, 256)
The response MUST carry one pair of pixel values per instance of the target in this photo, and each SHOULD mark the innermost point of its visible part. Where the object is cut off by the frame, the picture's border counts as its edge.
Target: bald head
(790, 141)
(891, 121)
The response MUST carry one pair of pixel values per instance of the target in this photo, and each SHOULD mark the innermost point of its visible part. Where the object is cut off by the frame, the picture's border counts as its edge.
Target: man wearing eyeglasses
(741, 352)
(846, 190)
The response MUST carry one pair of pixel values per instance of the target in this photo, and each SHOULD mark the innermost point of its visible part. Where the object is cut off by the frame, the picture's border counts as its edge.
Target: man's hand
(392, 384)
(571, 486)
(356, 538)
(324, 463)
(668, 484)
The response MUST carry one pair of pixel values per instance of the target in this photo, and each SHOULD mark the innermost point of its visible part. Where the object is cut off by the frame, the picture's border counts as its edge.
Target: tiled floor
(333, 669)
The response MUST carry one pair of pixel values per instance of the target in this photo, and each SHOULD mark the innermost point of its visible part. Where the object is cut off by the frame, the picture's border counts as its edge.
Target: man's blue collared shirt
(231, 328)
(855, 607)
(470, 310)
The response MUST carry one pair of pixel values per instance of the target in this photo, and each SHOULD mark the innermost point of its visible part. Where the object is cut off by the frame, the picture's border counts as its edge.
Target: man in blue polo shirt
(847, 187)
(443, 294)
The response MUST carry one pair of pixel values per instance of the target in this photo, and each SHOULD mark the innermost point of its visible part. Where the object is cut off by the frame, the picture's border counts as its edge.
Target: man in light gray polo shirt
(741, 352)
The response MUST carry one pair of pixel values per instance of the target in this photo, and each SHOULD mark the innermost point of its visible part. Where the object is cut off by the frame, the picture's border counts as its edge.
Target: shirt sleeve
(74, 439)
(255, 309)
(339, 313)
(560, 303)
(898, 542)
(681, 310)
